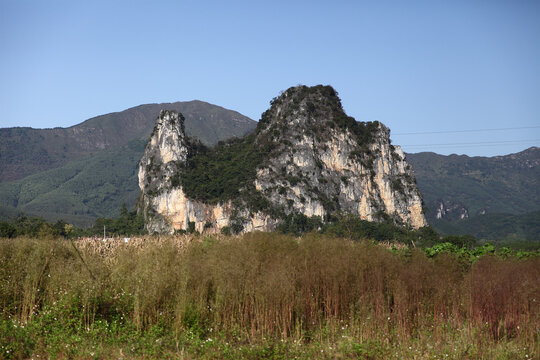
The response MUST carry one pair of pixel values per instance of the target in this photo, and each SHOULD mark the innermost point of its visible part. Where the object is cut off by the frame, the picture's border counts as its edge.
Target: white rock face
(449, 209)
(388, 186)
(315, 169)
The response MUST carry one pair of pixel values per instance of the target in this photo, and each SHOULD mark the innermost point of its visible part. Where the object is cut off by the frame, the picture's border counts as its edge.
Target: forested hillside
(25, 151)
(81, 191)
(79, 176)
(489, 197)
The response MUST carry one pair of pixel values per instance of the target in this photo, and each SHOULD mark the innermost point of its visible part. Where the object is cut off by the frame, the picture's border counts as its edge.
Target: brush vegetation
(223, 172)
(127, 224)
(263, 295)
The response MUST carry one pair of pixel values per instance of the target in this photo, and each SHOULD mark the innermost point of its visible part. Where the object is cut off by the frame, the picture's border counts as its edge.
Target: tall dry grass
(270, 285)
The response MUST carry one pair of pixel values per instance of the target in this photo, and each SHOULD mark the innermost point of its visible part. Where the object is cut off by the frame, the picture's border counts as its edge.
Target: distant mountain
(80, 191)
(461, 193)
(495, 226)
(89, 170)
(25, 151)
(80, 185)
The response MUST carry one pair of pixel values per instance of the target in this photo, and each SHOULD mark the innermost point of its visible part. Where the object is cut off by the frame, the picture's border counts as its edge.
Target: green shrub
(218, 174)
(226, 230)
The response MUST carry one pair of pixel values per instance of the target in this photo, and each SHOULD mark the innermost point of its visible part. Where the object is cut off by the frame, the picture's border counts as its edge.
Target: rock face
(305, 157)
(449, 210)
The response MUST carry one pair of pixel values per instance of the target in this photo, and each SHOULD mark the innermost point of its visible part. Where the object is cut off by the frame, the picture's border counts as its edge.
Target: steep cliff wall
(305, 157)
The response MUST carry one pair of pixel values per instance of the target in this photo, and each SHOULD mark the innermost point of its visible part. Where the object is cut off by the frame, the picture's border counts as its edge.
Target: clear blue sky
(417, 66)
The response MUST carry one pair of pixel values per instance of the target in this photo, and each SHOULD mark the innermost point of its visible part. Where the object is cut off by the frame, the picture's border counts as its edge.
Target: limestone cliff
(306, 156)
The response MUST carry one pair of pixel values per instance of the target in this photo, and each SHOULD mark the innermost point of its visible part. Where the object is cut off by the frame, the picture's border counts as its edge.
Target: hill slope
(96, 185)
(25, 151)
(495, 226)
(80, 191)
(459, 191)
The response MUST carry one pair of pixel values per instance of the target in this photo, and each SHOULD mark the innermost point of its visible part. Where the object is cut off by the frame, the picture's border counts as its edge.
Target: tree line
(127, 224)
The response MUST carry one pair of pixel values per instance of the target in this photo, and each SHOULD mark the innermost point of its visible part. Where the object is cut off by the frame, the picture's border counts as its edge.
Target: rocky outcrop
(449, 210)
(305, 157)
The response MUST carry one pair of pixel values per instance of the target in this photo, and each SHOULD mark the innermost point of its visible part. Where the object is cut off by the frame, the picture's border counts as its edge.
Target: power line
(464, 131)
(484, 143)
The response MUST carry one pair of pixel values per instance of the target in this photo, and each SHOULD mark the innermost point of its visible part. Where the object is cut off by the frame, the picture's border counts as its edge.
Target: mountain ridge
(25, 150)
(501, 184)
(435, 190)
(104, 178)
(459, 190)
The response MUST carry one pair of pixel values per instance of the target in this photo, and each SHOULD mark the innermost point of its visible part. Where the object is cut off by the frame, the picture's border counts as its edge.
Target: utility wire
(476, 143)
(464, 131)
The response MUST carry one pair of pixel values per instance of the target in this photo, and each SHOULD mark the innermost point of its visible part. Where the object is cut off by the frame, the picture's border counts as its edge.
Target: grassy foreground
(262, 296)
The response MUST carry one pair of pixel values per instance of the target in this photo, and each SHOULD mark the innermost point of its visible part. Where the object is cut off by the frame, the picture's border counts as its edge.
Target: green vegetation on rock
(220, 173)
(227, 171)
(317, 102)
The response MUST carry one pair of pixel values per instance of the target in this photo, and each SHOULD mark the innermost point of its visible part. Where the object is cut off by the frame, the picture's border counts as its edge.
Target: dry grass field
(262, 295)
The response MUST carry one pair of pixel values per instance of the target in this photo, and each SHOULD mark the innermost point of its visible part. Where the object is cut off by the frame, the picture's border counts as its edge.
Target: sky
(445, 76)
